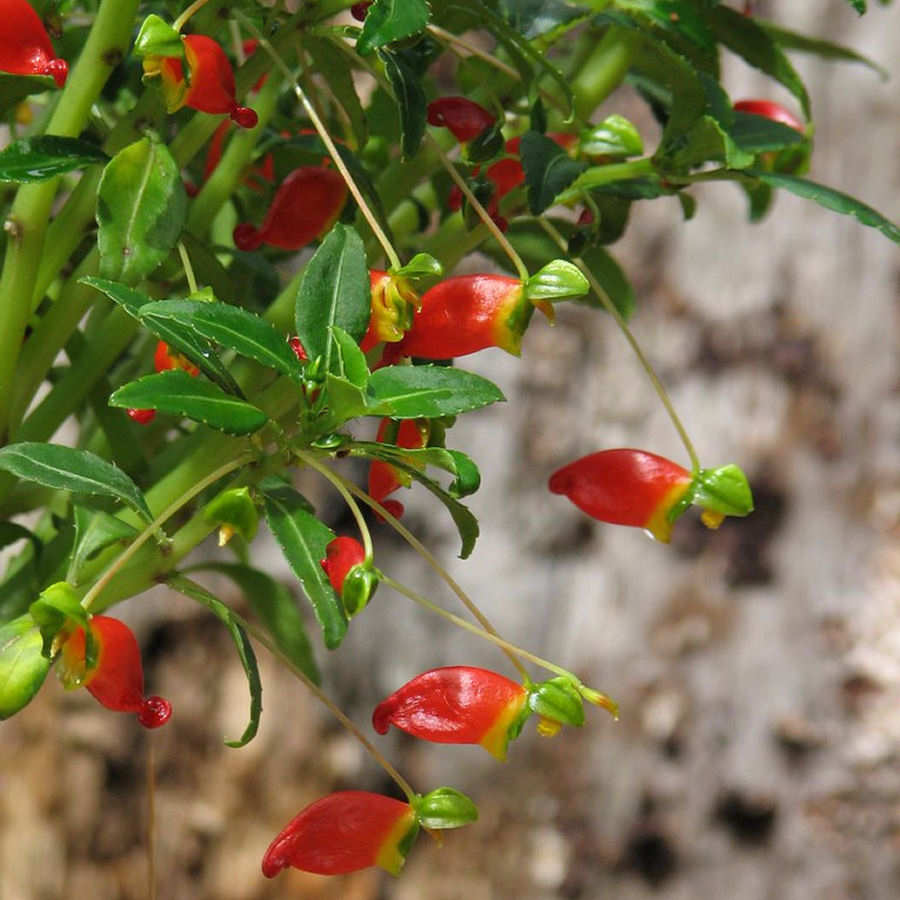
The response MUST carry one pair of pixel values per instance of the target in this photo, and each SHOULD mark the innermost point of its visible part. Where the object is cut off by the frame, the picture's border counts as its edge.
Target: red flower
(25, 47)
(393, 304)
(305, 206)
(768, 109)
(344, 832)
(457, 705)
(384, 478)
(117, 678)
(164, 359)
(342, 555)
(465, 118)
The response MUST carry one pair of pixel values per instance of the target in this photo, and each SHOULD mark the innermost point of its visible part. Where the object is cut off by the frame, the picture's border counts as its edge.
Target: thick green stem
(602, 72)
(27, 223)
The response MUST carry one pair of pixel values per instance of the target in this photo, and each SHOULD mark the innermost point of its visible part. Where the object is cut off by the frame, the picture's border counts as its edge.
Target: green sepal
(422, 265)
(614, 137)
(558, 280)
(359, 585)
(158, 38)
(557, 700)
(723, 490)
(23, 667)
(444, 807)
(56, 607)
(234, 509)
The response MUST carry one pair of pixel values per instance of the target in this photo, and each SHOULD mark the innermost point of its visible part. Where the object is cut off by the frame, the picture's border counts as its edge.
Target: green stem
(432, 561)
(485, 217)
(603, 71)
(188, 268)
(183, 19)
(598, 176)
(424, 602)
(326, 701)
(335, 480)
(27, 221)
(610, 307)
(156, 524)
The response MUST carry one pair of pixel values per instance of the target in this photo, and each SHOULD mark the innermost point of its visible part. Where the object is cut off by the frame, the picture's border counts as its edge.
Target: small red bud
(141, 416)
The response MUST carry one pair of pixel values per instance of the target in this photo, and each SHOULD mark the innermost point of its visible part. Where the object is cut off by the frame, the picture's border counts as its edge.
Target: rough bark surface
(758, 667)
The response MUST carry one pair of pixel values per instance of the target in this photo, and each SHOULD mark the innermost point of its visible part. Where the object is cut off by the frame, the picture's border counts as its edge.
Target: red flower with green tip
(306, 204)
(117, 679)
(464, 118)
(466, 314)
(634, 487)
(210, 87)
(25, 47)
(457, 705)
(384, 478)
(345, 832)
(341, 555)
(394, 303)
(768, 109)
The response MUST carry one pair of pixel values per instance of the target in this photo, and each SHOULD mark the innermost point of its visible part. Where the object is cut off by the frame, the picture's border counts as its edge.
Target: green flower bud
(444, 807)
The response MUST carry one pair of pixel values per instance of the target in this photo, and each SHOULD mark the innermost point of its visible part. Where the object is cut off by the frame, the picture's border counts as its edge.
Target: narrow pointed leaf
(232, 327)
(40, 158)
(410, 98)
(412, 392)
(68, 469)
(391, 20)
(548, 170)
(244, 648)
(347, 360)
(303, 539)
(141, 207)
(177, 393)
(468, 478)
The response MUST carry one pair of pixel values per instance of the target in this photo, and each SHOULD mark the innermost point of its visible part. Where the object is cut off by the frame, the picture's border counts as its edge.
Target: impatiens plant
(200, 360)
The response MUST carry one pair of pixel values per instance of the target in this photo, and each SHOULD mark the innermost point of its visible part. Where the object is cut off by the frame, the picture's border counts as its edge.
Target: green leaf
(40, 158)
(532, 18)
(468, 478)
(141, 207)
(611, 278)
(179, 338)
(549, 170)
(757, 134)
(391, 20)
(792, 40)
(179, 394)
(331, 64)
(345, 401)
(15, 88)
(232, 327)
(10, 532)
(347, 360)
(67, 469)
(858, 5)
(275, 606)
(830, 199)
(95, 530)
(413, 392)
(741, 34)
(410, 99)
(303, 540)
(23, 667)
(334, 291)
(244, 648)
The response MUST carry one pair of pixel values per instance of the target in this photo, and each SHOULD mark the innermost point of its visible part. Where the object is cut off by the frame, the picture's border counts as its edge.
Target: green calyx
(234, 511)
(59, 608)
(558, 280)
(422, 265)
(359, 585)
(158, 38)
(723, 490)
(558, 702)
(615, 137)
(443, 808)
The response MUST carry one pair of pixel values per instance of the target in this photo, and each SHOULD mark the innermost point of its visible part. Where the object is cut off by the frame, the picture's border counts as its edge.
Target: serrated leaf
(830, 199)
(68, 469)
(792, 40)
(95, 530)
(413, 392)
(40, 158)
(276, 608)
(757, 134)
(532, 18)
(234, 328)
(345, 401)
(177, 393)
(23, 667)
(742, 35)
(244, 648)
(347, 360)
(141, 207)
(468, 478)
(391, 20)
(549, 170)
(334, 291)
(410, 99)
(303, 540)
(179, 338)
